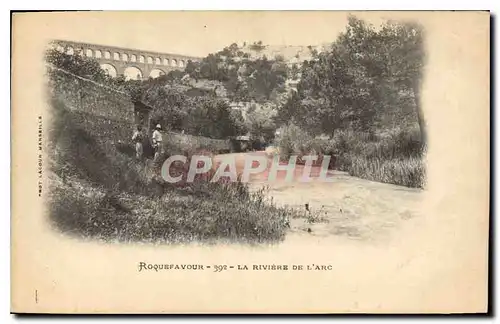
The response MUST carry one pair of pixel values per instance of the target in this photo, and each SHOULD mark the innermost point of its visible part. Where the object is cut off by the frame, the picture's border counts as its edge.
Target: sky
(196, 33)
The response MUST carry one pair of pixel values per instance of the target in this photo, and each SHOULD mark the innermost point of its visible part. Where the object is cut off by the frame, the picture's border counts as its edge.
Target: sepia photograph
(307, 149)
(117, 114)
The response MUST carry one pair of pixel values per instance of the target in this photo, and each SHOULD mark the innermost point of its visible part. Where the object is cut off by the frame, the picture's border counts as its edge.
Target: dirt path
(347, 208)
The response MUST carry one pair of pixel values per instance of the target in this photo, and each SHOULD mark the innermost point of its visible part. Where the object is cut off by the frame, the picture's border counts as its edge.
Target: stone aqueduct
(131, 63)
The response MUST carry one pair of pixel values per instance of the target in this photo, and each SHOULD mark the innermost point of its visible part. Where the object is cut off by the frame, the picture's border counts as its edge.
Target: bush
(293, 140)
(392, 157)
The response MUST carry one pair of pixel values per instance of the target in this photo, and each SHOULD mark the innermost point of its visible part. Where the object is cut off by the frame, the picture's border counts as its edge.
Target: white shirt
(157, 138)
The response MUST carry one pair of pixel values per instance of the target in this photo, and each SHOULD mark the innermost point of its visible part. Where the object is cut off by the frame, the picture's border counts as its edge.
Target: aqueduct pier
(132, 63)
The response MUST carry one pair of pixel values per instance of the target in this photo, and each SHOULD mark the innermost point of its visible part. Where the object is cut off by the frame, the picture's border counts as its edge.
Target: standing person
(138, 139)
(157, 141)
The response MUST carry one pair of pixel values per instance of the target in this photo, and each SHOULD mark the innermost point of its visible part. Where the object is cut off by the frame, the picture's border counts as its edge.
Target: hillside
(290, 53)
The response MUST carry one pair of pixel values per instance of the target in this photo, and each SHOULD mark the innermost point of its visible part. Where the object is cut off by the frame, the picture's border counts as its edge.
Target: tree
(260, 120)
(204, 115)
(406, 53)
(239, 121)
(211, 117)
(168, 104)
(191, 68)
(289, 111)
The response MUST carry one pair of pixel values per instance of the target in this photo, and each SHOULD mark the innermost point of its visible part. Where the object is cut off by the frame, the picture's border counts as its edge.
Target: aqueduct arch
(118, 60)
(133, 73)
(156, 73)
(109, 69)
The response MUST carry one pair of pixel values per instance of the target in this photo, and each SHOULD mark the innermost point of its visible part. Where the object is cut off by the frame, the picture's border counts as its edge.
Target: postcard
(243, 162)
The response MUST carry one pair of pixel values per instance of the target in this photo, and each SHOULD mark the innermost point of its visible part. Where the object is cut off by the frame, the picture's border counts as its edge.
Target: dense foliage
(368, 80)
(363, 93)
(259, 79)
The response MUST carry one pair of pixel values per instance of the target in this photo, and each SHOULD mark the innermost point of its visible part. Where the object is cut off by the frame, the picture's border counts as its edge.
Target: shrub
(293, 140)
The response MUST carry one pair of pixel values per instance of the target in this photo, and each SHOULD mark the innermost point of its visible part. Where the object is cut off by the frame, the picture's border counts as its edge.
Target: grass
(409, 172)
(225, 215)
(98, 191)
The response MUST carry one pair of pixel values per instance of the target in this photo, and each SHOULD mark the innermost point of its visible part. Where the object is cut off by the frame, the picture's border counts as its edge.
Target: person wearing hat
(157, 141)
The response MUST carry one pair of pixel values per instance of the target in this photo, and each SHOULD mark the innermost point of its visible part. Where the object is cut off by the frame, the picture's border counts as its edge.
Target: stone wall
(108, 114)
(91, 97)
